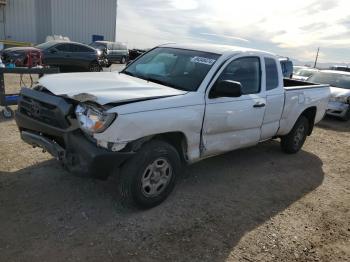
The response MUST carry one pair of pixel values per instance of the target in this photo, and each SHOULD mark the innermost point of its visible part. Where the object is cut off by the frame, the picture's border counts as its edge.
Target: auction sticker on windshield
(203, 60)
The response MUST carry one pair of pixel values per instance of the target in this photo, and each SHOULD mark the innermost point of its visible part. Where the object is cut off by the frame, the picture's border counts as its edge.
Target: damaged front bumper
(337, 109)
(64, 141)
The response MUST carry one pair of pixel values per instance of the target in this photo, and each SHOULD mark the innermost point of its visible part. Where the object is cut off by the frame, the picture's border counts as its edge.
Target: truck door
(234, 122)
(274, 98)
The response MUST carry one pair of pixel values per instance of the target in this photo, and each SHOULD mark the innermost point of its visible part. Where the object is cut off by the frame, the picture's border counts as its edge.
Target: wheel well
(310, 114)
(176, 139)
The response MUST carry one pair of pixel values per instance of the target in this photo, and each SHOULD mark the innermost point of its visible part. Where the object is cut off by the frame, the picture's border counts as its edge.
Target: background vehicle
(297, 68)
(22, 56)
(304, 73)
(175, 105)
(339, 102)
(134, 53)
(287, 67)
(116, 52)
(340, 68)
(71, 56)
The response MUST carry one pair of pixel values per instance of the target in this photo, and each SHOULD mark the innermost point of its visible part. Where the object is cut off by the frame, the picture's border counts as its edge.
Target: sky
(294, 28)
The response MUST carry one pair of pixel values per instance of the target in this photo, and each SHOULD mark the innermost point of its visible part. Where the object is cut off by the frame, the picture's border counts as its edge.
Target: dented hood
(105, 87)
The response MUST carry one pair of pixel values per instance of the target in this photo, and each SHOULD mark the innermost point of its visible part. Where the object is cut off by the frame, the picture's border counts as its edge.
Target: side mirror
(226, 88)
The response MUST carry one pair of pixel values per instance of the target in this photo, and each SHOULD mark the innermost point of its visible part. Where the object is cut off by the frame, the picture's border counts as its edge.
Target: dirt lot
(255, 204)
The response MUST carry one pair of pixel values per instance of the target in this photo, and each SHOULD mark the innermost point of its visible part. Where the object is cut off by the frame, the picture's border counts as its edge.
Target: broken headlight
(93, 119)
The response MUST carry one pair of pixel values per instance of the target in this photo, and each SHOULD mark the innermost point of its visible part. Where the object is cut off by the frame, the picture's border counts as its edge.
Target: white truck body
(229, 123)
(146, 127)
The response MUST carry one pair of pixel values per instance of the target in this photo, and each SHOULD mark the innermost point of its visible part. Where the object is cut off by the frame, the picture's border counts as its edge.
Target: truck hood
(339, 92)
(105, 87)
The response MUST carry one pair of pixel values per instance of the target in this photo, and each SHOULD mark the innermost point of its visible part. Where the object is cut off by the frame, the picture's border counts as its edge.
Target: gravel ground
(255, 204)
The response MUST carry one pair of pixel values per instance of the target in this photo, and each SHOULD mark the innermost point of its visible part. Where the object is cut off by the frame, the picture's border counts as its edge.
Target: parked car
(71, 56)
(175, 105)
(22, 56)
(297, 68)
(304, 73)
(287, 67)
(135, 53)
(340, 68)
(339, 102)
(116, 52)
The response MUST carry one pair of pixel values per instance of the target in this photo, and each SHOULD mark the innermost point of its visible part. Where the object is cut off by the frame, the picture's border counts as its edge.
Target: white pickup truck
(175, 105)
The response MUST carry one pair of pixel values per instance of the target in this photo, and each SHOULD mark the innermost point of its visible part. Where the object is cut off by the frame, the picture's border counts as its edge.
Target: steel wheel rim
(299, 135)
(156, 177)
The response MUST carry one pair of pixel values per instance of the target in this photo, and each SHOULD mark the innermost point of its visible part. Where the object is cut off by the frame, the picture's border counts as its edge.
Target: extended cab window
(245, 70)
(271, 73)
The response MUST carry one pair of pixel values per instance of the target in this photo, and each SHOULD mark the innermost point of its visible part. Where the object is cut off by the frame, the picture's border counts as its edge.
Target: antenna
(318, 50)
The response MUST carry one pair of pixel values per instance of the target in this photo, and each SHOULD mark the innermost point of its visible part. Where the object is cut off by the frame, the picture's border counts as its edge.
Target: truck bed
(291, 84)
(301, 95)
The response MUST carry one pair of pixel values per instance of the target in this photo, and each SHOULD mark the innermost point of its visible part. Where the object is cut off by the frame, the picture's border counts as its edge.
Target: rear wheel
(7, 112)
(94, 67)
(148, 178)
(294, 140)
(347, 115)
(123, 60)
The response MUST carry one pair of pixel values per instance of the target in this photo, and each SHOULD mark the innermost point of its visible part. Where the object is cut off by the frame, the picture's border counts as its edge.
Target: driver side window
(245, 70)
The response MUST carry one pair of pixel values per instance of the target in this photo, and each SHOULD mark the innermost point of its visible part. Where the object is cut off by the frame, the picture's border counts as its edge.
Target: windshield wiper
(127, 73)
(157, 81)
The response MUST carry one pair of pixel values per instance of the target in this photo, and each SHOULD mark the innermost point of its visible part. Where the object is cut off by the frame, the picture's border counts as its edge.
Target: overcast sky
(292, 28)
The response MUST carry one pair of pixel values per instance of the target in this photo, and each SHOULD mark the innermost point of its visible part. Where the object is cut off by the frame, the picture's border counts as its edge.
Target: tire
(294, 140)
(123, 60)
(7, 112)
(346, 117)
(94, 67)
(149, 177)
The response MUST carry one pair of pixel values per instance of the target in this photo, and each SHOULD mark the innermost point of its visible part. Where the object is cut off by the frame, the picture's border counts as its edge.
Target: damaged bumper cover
(65, 142)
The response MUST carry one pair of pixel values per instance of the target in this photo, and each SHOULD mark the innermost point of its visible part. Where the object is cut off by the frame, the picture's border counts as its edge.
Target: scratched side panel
(187, 120)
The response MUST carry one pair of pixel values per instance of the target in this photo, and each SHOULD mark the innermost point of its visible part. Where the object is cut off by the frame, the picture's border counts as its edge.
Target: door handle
(259, 104)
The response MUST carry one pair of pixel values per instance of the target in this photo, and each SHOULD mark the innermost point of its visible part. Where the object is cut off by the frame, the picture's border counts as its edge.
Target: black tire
(123, 60)
(133, 189)
(94, 67)
(294, 140)
(347, 115)
(7, 112)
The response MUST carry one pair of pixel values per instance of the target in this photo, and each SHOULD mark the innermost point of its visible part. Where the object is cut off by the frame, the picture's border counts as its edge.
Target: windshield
(336, 80)
(305, 72)
(177, 68)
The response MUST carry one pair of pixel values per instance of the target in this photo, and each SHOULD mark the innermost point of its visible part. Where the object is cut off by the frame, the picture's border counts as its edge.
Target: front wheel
(294, 140)
(94, 67)
(148, 178)
(346, 117)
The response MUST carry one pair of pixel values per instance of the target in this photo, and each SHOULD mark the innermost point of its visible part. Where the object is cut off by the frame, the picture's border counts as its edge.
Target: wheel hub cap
(156, 177)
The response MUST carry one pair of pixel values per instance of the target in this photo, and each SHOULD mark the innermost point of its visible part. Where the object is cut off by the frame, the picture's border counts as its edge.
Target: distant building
(80, 20)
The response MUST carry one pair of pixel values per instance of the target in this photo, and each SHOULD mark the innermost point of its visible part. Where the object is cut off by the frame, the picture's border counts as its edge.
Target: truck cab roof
(217, 49)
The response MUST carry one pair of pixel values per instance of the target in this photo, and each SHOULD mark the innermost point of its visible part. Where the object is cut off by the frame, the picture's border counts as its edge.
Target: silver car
(115, 52)
(339, 103)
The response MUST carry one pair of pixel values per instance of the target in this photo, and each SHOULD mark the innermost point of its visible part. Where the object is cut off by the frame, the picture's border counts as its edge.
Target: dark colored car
(71, 56)
(116, 52)
(135, 53)
(22, 56)
(340, 68)
(287, 67)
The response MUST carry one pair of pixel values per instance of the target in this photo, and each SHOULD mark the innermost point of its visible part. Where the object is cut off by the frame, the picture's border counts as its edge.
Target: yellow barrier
(15, 43)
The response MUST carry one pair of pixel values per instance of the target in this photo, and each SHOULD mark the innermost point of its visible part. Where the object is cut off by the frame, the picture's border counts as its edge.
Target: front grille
(43, 112)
